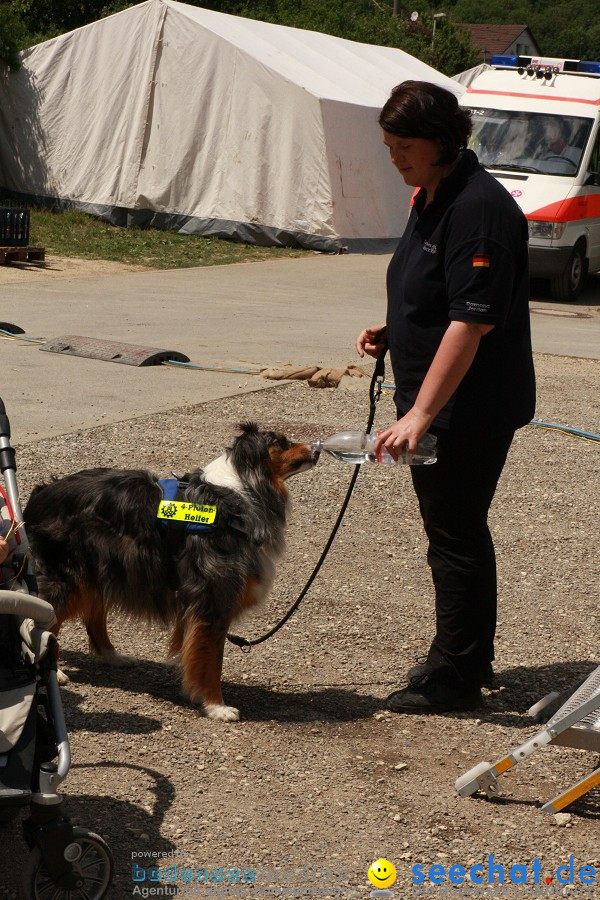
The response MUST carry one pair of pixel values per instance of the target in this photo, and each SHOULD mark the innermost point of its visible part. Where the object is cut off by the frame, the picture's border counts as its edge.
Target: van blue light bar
(499, 60)
(541, 65)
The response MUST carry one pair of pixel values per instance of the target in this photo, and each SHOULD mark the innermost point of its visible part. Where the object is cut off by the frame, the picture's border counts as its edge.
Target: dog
(97, 544)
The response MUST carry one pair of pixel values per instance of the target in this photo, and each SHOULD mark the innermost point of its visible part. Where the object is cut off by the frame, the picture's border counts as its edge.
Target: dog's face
(283, 458)
(287, 458)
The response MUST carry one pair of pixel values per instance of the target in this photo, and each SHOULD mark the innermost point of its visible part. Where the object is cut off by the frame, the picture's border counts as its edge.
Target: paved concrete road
(306, 311)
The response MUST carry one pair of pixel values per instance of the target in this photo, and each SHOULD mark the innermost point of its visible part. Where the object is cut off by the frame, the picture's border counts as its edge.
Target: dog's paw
(62, 677)
(221, 712)
(119, 660)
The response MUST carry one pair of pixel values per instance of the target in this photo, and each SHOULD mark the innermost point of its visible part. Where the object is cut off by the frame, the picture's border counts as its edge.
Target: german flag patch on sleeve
(481, 262)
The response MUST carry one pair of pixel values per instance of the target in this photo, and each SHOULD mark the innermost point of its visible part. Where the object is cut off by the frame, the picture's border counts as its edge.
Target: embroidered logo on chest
(429, 248)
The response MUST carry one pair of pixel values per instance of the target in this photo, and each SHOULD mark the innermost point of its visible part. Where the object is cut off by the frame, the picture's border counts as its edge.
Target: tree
(562, 28)
(452, 50)
(13, 36)
(367, 21)
(493, 12)
(568, 29)
(47, 18)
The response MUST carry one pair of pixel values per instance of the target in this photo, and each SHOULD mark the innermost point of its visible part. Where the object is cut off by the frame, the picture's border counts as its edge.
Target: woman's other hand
(372, 341)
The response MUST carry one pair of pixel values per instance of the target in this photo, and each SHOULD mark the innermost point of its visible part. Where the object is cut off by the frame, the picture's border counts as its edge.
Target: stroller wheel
(92, 862)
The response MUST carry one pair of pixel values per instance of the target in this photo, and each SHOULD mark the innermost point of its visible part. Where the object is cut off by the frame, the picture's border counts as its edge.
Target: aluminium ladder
(575, 724)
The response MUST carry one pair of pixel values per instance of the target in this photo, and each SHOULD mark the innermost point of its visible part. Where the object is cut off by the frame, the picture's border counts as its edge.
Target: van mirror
(592, 178)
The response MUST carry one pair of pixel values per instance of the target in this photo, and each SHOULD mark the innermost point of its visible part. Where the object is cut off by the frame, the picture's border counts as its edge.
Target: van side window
(594, 163)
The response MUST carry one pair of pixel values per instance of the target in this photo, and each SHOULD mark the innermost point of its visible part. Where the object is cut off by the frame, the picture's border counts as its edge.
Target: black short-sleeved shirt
(464, 257)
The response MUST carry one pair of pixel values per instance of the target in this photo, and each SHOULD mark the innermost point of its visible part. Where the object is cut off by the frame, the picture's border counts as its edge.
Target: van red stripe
(569, 210)
(471, 90)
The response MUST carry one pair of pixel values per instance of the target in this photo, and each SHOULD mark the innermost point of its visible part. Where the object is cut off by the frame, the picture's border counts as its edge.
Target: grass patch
(76, 234)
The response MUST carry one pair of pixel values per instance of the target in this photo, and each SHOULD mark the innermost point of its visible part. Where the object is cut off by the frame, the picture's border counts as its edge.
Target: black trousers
(454, 496)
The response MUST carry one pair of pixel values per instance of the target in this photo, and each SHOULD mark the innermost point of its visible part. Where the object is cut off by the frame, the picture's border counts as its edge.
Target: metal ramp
(575, 724)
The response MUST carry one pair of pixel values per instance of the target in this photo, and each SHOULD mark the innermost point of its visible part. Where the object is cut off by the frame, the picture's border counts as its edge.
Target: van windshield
(529, 142)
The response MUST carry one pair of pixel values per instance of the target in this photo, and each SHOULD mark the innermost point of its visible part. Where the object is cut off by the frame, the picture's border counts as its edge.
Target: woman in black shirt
(458, 333)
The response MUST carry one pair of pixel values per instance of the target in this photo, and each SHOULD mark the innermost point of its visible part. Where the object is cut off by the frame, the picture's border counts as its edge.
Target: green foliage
(561, 27)
(367, 21)
(116, 6)
(452, 50)
(493, 12)
(570, 28)
(13, 35)
(47, 18)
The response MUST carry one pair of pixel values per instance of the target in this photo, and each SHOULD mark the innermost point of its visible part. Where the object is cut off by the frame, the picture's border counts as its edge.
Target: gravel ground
(317, 780)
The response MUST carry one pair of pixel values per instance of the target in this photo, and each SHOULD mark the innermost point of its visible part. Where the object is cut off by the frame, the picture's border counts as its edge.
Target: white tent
(180, 117)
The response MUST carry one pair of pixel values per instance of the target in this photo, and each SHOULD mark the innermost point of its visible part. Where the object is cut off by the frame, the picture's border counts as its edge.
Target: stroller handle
(4, 423)
(14, 603)
(8, 460)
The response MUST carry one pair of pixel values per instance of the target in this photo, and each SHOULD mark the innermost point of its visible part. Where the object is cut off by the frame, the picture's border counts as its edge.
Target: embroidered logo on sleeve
(481, 262)
(479, 308)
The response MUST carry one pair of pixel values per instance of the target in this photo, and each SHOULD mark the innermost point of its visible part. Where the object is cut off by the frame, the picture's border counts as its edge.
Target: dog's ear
(248, 428)
(249, 451)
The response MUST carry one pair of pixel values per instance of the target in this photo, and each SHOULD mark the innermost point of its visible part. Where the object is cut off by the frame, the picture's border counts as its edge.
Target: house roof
(495, 38)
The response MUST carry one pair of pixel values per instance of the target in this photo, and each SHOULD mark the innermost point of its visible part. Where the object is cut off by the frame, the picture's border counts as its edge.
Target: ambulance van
(536, 127)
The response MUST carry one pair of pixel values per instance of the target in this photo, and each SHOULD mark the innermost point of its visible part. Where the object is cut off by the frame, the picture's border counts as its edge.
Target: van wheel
(568, 285)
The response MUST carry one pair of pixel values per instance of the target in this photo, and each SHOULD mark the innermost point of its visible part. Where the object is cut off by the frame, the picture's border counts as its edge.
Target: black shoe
(486, 675)
(430, 696)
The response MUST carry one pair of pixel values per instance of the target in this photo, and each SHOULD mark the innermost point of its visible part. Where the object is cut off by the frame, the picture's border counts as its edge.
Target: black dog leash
(374, 395)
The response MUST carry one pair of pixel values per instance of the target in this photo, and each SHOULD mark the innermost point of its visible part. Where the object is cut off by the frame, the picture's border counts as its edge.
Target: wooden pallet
(21, 254)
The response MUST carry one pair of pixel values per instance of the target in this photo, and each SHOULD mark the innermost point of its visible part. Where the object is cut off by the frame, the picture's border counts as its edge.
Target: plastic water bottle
(356, 447)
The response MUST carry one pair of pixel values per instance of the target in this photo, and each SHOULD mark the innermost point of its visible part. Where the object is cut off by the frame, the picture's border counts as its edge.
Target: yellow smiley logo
(382, 873)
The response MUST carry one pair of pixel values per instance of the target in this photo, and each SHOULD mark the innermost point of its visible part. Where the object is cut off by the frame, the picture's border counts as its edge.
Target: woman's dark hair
(419, 109)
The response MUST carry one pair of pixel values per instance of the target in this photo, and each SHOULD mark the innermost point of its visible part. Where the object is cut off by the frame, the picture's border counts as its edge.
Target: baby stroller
(65, 862)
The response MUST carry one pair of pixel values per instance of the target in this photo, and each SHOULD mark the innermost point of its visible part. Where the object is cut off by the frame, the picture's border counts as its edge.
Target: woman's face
(416, 159)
